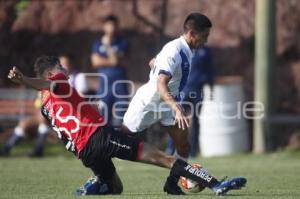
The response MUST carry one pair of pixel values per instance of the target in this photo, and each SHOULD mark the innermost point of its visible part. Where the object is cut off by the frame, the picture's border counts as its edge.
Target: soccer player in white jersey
(158, 100)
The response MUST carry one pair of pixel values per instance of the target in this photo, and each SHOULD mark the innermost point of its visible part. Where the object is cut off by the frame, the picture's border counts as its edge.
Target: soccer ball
(190, 185)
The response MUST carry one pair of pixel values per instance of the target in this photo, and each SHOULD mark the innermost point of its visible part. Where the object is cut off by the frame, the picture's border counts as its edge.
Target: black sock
(182, 168)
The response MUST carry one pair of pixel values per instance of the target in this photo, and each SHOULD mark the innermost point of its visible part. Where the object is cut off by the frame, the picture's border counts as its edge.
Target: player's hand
(15, 75)
(181, 119)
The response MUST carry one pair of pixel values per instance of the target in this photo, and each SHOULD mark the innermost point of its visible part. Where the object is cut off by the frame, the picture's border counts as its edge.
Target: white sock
(19, 131)
(43, 128)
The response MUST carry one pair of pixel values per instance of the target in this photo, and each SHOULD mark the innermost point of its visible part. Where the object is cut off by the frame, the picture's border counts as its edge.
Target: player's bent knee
(117, 184)
(118, 190)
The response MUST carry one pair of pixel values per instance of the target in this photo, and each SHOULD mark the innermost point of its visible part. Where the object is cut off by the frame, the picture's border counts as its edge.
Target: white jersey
(173, 60)
(146, 107)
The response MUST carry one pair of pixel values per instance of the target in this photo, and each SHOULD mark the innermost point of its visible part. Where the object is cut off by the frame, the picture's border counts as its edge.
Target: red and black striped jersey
(73, 119)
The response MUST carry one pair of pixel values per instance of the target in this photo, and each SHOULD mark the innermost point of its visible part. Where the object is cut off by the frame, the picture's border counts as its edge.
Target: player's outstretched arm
(17, 76)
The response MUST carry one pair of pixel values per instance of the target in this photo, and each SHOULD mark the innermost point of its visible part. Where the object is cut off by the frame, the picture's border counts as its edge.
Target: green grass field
(269, 176)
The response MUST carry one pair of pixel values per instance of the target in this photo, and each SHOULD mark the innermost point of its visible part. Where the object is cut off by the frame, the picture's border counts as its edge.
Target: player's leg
(116, 183)
(130, 148)
(200, 175)
(127, 147)
(179, 167)
(95, 157)
(104, 181)
(106, 173)
(18, 133)
(151, 155)
(108, 143)
(180, 139)
(179, 136)
(43, 130)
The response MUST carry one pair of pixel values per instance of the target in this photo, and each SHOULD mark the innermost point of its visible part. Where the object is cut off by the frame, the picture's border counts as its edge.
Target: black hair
(44, 62)
(196, 21)
(111, 18)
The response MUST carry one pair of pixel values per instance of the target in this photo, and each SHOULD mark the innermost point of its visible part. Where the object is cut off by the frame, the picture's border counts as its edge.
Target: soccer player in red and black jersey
(84, 132)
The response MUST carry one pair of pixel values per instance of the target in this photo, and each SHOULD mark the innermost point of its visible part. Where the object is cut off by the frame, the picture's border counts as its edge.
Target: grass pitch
(269, 176)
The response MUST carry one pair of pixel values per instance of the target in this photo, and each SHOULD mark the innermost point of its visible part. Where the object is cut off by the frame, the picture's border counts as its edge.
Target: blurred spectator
(202, 72)
(108, 56)
(24, 124)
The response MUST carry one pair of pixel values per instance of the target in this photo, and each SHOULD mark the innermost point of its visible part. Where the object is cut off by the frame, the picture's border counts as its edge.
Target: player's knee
(117, 184)
(118, 189)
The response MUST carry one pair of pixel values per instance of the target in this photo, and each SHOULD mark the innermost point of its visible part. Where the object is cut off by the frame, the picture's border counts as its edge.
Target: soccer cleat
(80, 192)
(93, 186)
(226, 185)
(171, 187)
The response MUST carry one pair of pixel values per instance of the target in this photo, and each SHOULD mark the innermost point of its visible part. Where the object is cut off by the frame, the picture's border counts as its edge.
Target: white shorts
(140, 117)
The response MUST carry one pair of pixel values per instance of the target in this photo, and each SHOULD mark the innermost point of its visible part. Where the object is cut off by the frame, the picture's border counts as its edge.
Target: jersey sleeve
(60, 85)
(167, 61)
